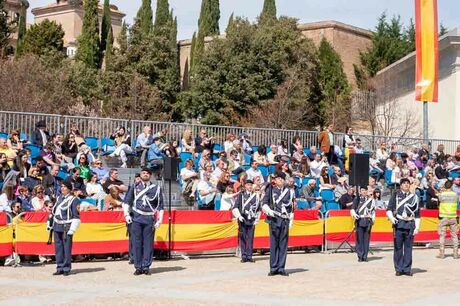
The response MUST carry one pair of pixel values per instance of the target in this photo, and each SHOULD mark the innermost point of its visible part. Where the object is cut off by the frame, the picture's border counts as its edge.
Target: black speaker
(170, 168)
(359, 169)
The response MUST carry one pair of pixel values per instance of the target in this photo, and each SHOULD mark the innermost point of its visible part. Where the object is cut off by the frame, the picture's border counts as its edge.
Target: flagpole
(425, 122)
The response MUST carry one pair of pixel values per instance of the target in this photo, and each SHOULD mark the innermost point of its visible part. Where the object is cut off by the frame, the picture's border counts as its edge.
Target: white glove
(354, 214)
(70, 233)
(128, 219)
(48, 226)
(373, 219)
(157, 224)
(126, 209)
(417, 226)
(257, 218)
(268, 211)
(240, 218)
(391, 217)
(291, 219)
(159, 219)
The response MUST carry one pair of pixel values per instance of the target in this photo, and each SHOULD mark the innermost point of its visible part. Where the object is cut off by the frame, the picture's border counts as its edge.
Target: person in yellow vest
(448, 201)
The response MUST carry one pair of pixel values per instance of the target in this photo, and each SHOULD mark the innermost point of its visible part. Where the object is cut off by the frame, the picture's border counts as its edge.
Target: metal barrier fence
(104, 127)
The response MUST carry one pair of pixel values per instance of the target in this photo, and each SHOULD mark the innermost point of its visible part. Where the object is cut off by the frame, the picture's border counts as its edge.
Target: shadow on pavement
(87, 270)
(374, 258)
(166, 269)
(293, 271)
(417, 270)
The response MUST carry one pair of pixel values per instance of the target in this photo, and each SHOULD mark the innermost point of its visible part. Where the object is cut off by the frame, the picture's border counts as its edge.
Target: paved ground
(316, 279)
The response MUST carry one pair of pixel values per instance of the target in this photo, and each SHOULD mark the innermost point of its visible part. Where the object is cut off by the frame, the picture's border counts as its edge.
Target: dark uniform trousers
(246, 237)
(131, 243)
(403, 240)
(363, 235)
(63, 251)
(279, 232)
(142, 245)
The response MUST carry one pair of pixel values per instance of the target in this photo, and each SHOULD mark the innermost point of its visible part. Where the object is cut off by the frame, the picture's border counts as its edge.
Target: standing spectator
(21, 164)
(326, 142)
(228, 199)
(122, 145)
(10, 154)
(39, 198)
(346, 201)
(13, 142)
(52, 183)
(377, 196)
(261, 156)
(254, 172)
(101, 172)
(317, 165)
(348, 138)
(83, 165)
(94, 189)
(114, 182)
(340, 158)
(32, 179)
(144, 140)
(187, 142)
(228, 144)
(207, 193)
(40, 135)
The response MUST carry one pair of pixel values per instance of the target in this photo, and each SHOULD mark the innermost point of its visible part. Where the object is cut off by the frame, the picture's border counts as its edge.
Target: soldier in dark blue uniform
(143, 209)
(279, 208)
(247, 211)
(403, 211)
(64, 221)
(363, 211)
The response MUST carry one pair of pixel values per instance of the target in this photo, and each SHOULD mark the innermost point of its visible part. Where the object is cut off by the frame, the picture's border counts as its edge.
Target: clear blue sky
(361, 13)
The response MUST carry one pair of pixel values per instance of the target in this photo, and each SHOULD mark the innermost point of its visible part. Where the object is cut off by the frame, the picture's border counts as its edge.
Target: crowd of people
(211, 176)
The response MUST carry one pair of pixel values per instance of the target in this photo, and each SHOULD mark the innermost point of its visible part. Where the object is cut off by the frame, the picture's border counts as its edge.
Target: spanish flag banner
(6, 236)
(426, 40)
(307, 230)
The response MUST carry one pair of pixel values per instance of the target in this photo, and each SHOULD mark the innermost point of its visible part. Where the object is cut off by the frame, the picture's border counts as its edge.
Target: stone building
(347, 40)
(69, 13)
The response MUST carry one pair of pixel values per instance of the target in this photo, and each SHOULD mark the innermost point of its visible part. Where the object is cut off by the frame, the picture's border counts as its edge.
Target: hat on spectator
(148, 170)
(280, 174)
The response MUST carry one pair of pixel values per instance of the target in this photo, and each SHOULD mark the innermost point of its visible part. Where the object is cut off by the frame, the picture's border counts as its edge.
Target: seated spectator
(79, 138)
(113, 201)
(234, 165)
(358, 147)
(377, 196)
(341, 188)
(228, 144)
(187, 142)
(391, 161)
(441, 171)
(7, 198)
(324, 179)
(296, 145)
(122, 145)
(311, 195)
(203, 142)
(25, 199)
(77, 182)
(101, 172)
(312, 154)
(457, 152)
(16, 208)
(208, 169)
(224, 182)
(144, 140)
(40, 135)
(10, 153)
(83, 149)
(204, 160)
(155, 153)
(4, 167)
(254, 172)
(48, 155)
(21, 164)
(261, 156)
(293, 186)
(282, 148)
(163, 136)
(239, 184)
(207, 193)
(381, 154)
(69, 148)
(173, 149)
(13, 142)
(52, 183)
(94, 189)
(83, 165)
(271, 156)
(441, 154)
(305, 166)
(39, 198)
(228, 199)
(32, 179)
(57, 141)
(239, 149)
(113, 182)
(42, 167)
(336, 175)
(246, 144)
(298, 155)
(317, 165)
(222, 157)
(339, 157)
(432, 200)
(221, 167)
(396, 174)
(374, 168)
(347, 199)
(189, 181)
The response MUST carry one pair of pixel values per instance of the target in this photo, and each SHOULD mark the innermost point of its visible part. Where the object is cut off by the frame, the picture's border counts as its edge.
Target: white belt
(405, 219)
(144, 213)
(62, 222)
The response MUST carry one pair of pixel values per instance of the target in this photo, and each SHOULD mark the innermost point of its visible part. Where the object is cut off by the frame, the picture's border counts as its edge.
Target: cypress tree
(214, 17)
(89, 52)
(143, 23)
(109, 50)
(208, 23)
(22, 27)
(123, 38)
(230, 24)
(268, 12)
(162, 16)
(106, 26)
(5, 29)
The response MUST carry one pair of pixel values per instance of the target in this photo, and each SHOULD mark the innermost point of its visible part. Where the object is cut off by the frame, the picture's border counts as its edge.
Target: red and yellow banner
(340, 224)
(426, 40)
(6, 236)
(307, 230)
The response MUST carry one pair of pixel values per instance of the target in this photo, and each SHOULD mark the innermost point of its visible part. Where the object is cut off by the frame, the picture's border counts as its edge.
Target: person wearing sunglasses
(39, 198)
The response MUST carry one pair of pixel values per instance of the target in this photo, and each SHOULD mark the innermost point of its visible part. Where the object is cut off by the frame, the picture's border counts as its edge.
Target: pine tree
(22, 27)
(123, 38)
(143, 24)
(44, 38)
(89, 52)
(106, 26)
(268, 12)
(109, 50)
(5, 30)
(162, 16)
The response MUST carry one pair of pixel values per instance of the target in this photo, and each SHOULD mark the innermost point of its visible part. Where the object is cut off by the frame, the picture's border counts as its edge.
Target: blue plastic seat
(271, 169)
(107, 145)
(298, 181)
(92, 142)
(23, 136)
(263, 169)
(388, 174)
(327, 195)
(247, 158)
(302, 205)
(454, 174)
(34, 150)
(217, 147)
(4, 135)
(62, 174)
